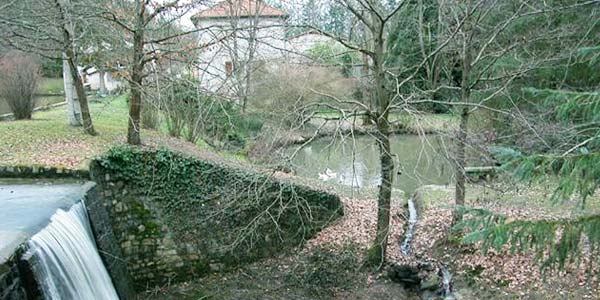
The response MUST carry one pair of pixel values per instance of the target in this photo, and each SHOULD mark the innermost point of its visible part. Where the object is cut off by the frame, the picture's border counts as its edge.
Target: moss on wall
(176, 217)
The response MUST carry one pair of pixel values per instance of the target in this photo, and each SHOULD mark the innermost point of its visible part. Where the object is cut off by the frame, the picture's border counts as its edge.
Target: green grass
(413, 122)
(48, 139)
(425, 122)
(51, 86)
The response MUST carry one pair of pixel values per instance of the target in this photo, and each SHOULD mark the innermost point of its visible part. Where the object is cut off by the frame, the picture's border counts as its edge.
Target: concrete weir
(146, 235)
(47, 242)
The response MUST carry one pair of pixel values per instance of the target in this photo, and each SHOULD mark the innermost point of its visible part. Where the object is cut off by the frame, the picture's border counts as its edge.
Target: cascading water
(67, 264)
(410, 231)
(447, 289)
(446, 286)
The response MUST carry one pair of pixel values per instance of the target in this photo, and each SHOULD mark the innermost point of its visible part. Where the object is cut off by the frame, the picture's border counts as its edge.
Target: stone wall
(11, 286)
(176, 218)
(106, 242)
(41, 172)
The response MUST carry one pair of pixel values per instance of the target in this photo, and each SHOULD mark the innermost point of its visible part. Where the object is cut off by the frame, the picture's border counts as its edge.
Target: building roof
(240, 8)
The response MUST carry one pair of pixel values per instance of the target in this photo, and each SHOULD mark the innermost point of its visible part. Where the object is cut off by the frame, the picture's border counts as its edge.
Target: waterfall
(66, 261)
(447, 289)
(412, 222)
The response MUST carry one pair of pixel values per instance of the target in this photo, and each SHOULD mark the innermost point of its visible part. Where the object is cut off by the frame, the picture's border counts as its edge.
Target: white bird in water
(328, 175)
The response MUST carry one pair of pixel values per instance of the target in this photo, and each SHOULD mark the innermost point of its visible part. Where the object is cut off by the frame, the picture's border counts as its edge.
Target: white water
(410, 231)
(67, 264)
(447, 283)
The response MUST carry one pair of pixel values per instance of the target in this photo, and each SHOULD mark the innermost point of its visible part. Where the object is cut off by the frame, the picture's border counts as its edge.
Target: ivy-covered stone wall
(176, 217)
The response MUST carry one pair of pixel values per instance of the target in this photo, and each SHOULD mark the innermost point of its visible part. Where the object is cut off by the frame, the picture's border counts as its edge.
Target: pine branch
(555, 242)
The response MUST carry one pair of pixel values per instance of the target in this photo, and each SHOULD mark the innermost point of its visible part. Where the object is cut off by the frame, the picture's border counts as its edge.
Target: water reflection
(355, 162)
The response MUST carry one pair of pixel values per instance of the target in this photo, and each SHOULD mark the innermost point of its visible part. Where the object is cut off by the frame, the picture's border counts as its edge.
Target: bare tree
(484, 60)
(46, 28)
(69, 55)
(375, 20)
(145, 23)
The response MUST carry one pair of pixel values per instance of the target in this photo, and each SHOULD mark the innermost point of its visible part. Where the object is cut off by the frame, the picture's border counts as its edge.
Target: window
(228, 68)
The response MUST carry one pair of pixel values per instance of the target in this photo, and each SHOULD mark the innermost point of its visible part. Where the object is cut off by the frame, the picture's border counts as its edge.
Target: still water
(354, 162)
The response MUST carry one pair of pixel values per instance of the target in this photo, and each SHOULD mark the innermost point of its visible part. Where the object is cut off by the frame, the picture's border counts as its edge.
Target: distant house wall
(93, 78)
(222, 45)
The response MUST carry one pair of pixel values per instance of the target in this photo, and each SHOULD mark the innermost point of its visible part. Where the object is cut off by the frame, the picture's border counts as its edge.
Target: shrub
(52, 68)
(187, 109)
(193, 114)
(290, 94)
(150, 115)
(19, 77)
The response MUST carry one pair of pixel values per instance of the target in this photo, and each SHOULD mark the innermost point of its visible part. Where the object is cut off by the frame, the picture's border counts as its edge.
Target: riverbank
(275, 137)
(331, 262)
(328, 266)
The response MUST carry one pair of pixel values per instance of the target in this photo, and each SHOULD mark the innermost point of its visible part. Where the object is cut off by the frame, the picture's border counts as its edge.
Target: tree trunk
(377, 252)
(135, 101)
(462, 134)
(88, 127)
(461, 176)
(73, 108)
(102, 83)
(72, 67)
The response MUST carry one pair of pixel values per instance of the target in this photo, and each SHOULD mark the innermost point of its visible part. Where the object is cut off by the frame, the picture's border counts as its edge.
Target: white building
(233, 33)
(103, 82)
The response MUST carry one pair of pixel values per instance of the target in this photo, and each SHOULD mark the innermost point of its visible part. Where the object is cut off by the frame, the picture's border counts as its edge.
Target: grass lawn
(426, 122)
(51, 86)
(48, 140)
(527, 200)
(412, 123)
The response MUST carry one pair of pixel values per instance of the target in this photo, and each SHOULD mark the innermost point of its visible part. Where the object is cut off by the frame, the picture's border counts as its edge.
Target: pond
(354, 162)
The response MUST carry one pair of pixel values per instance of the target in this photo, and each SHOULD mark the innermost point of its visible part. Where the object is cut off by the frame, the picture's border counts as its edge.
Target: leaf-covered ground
(496, 275)
(505, 274)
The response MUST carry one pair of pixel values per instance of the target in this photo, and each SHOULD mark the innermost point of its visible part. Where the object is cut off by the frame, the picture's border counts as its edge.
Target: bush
(193, 114)
(52, 68)
(19, 77)
(334, 55)
(150, 115)
(286, 92)
(188, 110)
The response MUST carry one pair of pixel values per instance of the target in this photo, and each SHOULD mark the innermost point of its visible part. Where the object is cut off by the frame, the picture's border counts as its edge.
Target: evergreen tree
(576, 164)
